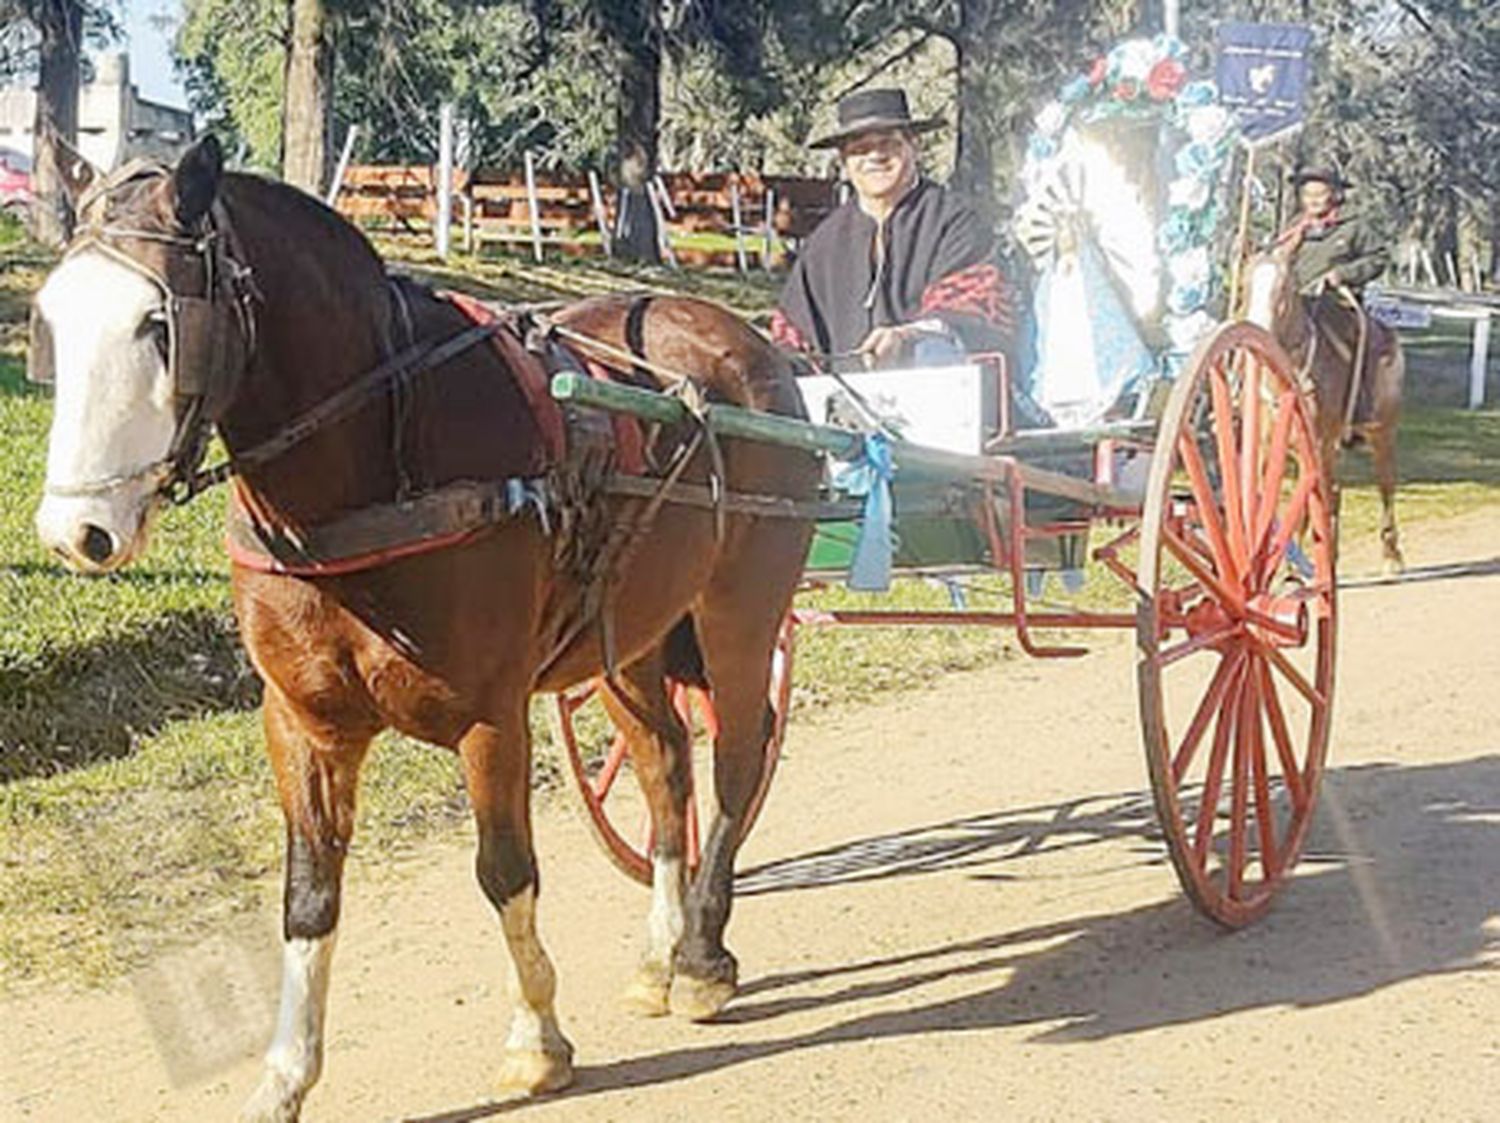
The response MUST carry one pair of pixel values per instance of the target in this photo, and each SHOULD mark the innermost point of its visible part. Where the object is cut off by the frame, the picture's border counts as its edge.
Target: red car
(15, 182)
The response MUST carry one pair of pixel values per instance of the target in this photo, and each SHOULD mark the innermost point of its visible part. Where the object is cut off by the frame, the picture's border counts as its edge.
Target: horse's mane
(272, 197)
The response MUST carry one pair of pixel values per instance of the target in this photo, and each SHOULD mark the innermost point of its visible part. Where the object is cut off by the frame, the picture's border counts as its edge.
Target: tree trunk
(636, 30)
(60, 26)
(974, 158)
(306, 155)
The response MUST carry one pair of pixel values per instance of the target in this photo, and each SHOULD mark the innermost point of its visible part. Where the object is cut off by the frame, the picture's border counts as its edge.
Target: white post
(596, 193)
(1479, 359)
(343, 166)
(1170, 14)
(533, 208)
(665, 196)
(663, 236)
(1432, 277)
(765, 257)
(444, 185)
(739, 228)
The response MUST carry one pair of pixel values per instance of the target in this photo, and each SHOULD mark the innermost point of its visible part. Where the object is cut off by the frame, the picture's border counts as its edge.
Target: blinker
(40, 364)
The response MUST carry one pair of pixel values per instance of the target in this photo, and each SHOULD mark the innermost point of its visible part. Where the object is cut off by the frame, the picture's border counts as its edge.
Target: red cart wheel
(616, 813)
(1237, 622)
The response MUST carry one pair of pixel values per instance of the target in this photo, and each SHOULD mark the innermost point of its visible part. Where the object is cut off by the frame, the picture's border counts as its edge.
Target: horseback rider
(901, 271)
(1335, 249)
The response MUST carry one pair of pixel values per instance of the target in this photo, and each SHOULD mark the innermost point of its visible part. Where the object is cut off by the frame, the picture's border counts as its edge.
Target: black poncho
(938, 261)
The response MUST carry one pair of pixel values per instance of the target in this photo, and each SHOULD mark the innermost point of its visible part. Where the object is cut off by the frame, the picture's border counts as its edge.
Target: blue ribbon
(870, 476)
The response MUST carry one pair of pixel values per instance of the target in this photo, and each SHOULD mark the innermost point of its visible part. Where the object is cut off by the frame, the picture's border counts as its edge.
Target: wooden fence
(754, 216)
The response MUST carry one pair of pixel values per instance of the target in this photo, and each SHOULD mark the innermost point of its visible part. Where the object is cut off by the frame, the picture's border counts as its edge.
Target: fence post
(663, 236)
(1479, 359)
(765, 256)
(343, 166)
(533, 208)
(444, 185)
(666, 198)
(739, 226)
(596, 193)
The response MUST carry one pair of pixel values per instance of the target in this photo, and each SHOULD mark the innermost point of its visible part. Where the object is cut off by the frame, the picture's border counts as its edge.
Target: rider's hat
(866, 111)
(1321, 173)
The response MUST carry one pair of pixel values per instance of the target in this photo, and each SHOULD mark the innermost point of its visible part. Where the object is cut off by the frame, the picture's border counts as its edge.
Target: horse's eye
(154, 328)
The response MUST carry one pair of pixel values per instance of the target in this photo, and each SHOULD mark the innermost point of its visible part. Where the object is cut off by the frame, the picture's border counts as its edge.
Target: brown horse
(1325, 343)
(294, 311)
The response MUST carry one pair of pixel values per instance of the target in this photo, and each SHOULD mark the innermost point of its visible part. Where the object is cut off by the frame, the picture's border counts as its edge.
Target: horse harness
(210, 336)
(210, 343)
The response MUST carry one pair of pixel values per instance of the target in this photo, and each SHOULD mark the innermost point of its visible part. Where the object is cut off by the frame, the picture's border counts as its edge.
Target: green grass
(136, 802)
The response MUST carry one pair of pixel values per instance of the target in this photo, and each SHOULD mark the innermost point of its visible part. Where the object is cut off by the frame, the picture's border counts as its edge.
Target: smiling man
(903, 268)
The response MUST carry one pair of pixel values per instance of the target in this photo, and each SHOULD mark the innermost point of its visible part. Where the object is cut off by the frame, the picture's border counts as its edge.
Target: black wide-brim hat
(1320, 174)
(866, 111)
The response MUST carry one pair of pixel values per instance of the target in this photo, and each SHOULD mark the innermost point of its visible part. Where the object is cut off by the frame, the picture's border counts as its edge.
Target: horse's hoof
(531, 1072)
(699, 1000)
(273, 1101)
(1394, 566)
(647, 993)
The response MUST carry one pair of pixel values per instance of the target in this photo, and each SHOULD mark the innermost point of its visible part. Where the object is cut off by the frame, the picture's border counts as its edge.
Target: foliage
(18, 39)
(231, 56)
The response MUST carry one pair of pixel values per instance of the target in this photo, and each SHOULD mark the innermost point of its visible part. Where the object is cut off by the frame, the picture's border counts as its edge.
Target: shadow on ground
(71, 707)
(1401, 879)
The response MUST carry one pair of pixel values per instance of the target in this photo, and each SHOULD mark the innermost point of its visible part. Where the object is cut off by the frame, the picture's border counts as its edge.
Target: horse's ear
(195, 181)
(77, 174)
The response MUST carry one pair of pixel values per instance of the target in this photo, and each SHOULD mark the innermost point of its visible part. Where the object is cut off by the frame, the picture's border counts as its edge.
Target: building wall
(115, 123)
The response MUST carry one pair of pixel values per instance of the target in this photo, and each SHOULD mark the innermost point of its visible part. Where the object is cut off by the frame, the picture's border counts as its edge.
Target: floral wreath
(1144, 78)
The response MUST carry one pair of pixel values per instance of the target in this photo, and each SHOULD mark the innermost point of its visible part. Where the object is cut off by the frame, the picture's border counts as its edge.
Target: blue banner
(1262, 75)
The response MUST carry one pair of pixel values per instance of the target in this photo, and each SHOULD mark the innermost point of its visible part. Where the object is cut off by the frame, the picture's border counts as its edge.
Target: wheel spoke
(1264, 813)
(1224, 429)
(1291, 772)
(1288, 528)
(1286, 413)
(1239, 792)
(1212, 700)
(1197, 643)
(1209, 803)
(1250, 437)
(1290, 672)
(605, 780)
(1226, 594)
(1208, 507)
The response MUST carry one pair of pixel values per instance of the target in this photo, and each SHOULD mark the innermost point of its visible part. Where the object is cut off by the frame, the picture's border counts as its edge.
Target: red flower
(1165, 79)
(1128, 90)
(1098, 70)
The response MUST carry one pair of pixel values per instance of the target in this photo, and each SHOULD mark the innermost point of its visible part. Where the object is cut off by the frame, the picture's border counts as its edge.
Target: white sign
(939, 407)
(1395, 313)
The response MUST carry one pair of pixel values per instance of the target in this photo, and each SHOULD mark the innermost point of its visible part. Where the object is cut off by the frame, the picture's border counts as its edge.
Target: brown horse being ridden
(1327, 348)
(445, 645)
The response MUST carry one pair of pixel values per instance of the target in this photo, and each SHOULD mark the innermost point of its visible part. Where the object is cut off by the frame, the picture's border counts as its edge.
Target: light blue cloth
(1074, 383)
(870, 476)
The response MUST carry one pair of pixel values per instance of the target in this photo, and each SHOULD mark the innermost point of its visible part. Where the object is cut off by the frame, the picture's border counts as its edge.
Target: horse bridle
(210, 338)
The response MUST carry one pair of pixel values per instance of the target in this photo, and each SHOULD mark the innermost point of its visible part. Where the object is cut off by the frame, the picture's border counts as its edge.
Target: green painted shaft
(910, 460)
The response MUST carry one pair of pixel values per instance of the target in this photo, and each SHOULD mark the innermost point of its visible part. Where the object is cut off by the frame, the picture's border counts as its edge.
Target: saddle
(1358, 343)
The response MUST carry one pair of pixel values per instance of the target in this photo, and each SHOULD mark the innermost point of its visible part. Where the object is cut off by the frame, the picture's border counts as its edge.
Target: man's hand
(883, 344)
(1331, 281)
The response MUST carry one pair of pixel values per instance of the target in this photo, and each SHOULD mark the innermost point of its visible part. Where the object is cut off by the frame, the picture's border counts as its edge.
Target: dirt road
(952, 909)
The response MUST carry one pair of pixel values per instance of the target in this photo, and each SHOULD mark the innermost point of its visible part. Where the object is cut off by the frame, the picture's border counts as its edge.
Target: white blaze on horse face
(112, 412)
(295, 1056)
(1261, 310)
